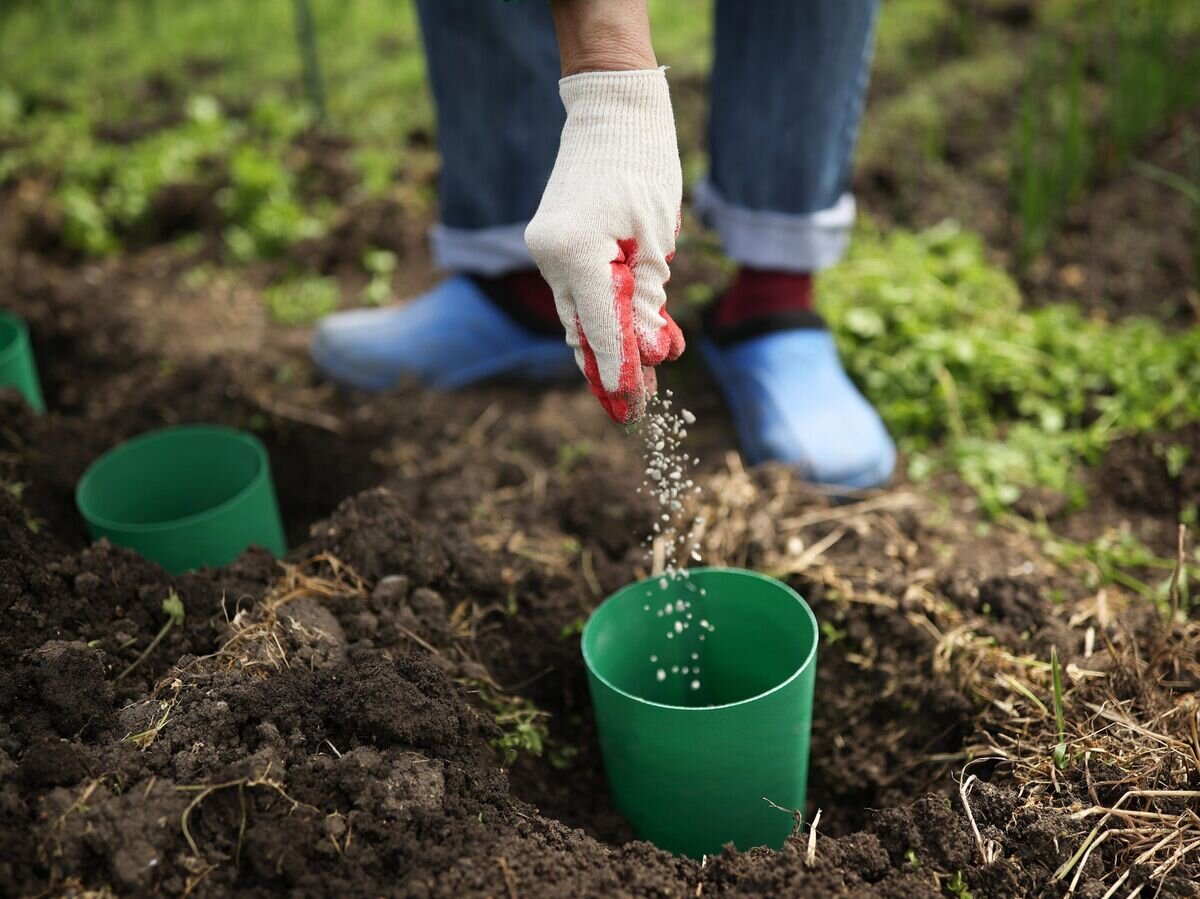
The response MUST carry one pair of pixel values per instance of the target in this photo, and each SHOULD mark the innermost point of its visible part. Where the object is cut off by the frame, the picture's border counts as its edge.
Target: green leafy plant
(302, 300)
(1010, 398)
(832, 633)
(572, 630)
(106, 191)
(380, 264)
(957, 887)
(264, 207)
(522, 725)
(86, 227)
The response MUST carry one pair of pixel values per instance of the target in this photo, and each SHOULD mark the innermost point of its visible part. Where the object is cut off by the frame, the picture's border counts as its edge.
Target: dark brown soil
(355, 756)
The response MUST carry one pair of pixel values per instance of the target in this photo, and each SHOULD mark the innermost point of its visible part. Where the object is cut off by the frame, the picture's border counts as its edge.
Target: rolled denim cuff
(489, 252)
(780, 241)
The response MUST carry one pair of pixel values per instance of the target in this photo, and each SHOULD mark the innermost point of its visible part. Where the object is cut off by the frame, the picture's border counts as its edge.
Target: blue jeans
(788, 82)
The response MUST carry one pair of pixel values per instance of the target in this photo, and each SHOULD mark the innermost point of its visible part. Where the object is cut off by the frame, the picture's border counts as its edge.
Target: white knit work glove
(604, 233)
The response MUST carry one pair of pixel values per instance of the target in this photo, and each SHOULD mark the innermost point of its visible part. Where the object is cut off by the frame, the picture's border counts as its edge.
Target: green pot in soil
(693, 757)
(184, 496)
(16, 361)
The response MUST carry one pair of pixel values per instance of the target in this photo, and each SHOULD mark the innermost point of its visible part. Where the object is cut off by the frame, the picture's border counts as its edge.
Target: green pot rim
(10, 352)
(155, 436)
(808, 659)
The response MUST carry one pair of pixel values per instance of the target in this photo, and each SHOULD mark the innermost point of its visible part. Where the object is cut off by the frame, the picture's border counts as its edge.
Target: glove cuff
(627, 109)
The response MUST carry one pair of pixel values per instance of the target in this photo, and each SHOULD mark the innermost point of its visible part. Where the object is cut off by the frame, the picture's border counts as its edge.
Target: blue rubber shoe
(449, 338)
(792, 402)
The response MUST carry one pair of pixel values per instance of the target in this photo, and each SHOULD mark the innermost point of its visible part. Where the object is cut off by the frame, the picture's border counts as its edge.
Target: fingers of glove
(659, 338)
(609, 344)
(625, 402)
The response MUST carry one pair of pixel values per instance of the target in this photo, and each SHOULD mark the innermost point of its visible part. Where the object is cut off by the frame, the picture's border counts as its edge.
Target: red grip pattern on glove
(627, 401)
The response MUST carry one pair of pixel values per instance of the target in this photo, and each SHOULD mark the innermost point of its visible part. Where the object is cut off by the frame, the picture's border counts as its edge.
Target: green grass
(369, 52)
(374, 72)
(1074, 126)
(1062, 756)
(1053, 146)
(1008, 397)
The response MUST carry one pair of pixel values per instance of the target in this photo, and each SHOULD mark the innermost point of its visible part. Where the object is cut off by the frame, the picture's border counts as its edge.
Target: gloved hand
(604, 233)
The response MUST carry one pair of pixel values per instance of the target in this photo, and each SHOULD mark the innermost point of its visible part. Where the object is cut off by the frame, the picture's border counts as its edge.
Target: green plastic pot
(16, 361)
(692, 759)
(185, 496)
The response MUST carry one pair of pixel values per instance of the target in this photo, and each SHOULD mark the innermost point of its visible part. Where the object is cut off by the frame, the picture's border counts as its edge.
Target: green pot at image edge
(693, 758)
(185, 497)
(16, 361)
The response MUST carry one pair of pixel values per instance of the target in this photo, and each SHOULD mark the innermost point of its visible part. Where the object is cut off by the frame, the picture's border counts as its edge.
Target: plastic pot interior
(17, 367)
(185, 496)
(690, 755)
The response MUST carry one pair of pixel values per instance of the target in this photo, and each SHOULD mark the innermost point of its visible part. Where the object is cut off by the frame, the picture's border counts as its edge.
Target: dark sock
(760, 302)
(525, 297)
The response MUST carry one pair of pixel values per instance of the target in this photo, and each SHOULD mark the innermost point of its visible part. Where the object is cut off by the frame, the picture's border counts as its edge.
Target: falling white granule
(695, 685)
(660, 674)
(674, 543)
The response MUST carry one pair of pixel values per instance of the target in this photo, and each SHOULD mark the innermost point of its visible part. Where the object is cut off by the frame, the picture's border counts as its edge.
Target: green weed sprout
(1061, 754)
(957, 887)
(173, 607)
(522, 725)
